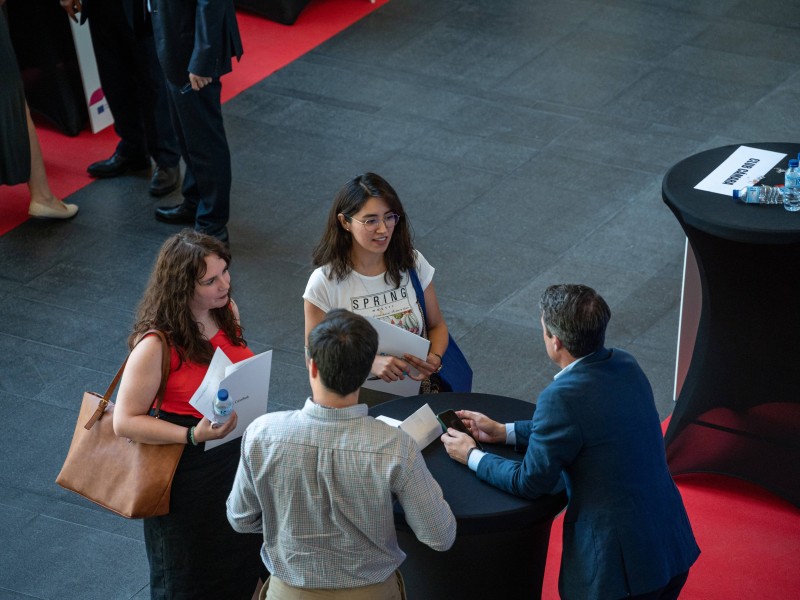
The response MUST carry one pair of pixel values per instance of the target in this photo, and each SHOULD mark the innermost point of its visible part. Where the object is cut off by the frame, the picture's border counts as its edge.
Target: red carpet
(268, 46)
(749, 538)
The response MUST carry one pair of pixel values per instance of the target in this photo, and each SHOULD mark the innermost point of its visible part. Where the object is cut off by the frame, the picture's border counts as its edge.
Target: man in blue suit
(195, 43)
(626, 532)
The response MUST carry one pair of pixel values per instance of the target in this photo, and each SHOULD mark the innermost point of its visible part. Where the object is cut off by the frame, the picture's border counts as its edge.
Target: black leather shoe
(164, 180)
(175, 214)
(221, 235)
(118, 165)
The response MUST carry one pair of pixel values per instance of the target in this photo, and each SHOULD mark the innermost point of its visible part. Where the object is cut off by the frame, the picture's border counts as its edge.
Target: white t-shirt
(372, 296)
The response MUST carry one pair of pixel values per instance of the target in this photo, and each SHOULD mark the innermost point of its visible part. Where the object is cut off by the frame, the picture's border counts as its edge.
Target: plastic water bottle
(759, 194)
(223, 406)
(791, 188)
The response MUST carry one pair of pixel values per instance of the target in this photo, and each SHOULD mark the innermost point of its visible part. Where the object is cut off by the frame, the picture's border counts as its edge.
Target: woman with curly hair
(364, 263)
(192, 551)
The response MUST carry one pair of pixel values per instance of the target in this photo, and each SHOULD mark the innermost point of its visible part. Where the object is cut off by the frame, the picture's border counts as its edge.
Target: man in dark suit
(134, 85)
(626, 532)
(195, 42)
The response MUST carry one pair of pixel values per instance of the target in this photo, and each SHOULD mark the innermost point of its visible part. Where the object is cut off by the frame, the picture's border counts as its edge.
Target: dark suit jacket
(625, 529)
(195, 36)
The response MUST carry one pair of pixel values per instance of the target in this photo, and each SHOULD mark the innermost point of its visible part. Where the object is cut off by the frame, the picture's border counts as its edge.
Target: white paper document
(423, 425)
(746, 166)
(395, 341)
(247, 383)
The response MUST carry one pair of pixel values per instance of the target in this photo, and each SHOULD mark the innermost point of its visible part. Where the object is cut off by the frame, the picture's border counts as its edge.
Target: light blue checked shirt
(319, 483)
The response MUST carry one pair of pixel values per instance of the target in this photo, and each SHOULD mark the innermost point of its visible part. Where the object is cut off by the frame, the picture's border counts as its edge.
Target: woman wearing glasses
(363, 264)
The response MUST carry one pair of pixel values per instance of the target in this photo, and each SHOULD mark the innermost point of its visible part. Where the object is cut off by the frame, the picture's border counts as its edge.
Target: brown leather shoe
(164, 180)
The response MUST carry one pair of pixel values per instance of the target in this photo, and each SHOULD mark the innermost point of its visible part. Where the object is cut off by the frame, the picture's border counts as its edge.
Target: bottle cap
(222, 394)
(738, 194)
(793, 162)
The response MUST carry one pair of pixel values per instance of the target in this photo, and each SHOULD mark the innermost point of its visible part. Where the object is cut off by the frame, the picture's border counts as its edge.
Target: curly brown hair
(165, 303)
(334, 248)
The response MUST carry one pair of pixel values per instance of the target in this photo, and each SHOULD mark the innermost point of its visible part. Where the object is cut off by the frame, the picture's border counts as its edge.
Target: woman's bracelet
(441, 361)
(190, 436)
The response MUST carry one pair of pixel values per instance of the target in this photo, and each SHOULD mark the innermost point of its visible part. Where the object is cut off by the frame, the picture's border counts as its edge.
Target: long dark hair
(333, 250)
(165, 303)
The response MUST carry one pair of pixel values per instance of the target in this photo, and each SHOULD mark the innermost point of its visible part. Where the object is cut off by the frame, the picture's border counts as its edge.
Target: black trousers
(133, 83)
(204, 147)
(193, 552)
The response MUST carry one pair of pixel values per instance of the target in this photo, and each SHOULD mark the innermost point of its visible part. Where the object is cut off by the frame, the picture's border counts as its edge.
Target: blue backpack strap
(420, 294)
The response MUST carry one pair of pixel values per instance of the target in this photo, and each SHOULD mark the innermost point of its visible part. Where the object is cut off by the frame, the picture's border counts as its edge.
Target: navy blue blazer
(195, 36)
(625, 529)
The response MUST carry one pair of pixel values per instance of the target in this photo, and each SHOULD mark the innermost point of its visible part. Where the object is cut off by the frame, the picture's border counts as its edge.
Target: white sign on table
(746, 166)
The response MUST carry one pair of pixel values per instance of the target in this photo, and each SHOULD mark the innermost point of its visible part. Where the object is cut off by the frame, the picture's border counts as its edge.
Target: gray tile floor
(527, 139)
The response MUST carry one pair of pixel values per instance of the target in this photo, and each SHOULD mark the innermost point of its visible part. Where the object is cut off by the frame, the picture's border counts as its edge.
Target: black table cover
(502, 540)
(738, 412)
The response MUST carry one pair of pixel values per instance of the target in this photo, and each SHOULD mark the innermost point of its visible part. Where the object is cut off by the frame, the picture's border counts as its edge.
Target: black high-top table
(501, 544)
(738, 411)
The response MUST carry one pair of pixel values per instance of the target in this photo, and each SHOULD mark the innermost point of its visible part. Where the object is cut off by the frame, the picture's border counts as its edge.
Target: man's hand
(457, 444)
(482, 427)
(73, 7)
(197, 82)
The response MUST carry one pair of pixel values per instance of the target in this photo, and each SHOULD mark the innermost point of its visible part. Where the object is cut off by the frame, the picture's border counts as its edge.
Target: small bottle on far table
(791, 188)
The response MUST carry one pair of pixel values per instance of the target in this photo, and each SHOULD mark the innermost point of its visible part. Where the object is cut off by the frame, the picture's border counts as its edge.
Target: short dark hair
(576, 315)
(343, 346)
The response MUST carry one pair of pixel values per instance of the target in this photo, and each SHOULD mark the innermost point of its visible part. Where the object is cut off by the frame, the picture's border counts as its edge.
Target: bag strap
(420, 294)
(165, 361)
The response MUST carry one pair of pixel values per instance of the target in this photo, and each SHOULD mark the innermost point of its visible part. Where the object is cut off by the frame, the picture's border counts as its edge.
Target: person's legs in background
(43, 204)
(204, 147)
(113, 42)
(134, 86)
(160, 135)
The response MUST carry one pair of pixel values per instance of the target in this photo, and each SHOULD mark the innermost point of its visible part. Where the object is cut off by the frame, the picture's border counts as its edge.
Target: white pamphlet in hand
(396, 341)
(423, 425)
(247, 383)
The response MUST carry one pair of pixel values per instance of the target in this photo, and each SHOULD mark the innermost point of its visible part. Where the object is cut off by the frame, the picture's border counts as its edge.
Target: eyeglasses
(372, 223)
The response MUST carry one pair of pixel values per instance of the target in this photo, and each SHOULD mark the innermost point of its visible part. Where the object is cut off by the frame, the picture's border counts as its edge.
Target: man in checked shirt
(319, 482)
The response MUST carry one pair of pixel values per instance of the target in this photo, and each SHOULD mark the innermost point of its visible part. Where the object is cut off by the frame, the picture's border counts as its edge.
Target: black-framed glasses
(372, 223)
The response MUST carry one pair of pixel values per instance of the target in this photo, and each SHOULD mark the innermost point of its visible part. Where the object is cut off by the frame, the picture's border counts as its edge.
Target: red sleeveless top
(185, 377)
